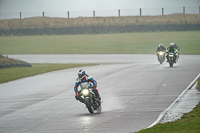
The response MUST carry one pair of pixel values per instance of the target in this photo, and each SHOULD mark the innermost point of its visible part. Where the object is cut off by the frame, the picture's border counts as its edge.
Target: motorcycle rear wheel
(171, 63)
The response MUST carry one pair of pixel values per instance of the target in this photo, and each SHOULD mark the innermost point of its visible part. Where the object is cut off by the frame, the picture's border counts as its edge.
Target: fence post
(183, 10)
(119, 13)
(68, 14)
(140, 12)
(20, 14)
(162, 11)
(43, 14)
(94, 14)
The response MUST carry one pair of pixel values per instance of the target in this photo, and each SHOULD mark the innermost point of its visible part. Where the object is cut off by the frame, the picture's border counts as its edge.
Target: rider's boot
(99, 98)
(174, 61)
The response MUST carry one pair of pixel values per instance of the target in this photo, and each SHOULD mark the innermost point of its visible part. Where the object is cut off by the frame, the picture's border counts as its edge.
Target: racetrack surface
(135, 89)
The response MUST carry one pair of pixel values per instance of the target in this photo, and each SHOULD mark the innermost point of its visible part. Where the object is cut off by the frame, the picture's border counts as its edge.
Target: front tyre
(89, 106)
(171, 63)
(161, 60)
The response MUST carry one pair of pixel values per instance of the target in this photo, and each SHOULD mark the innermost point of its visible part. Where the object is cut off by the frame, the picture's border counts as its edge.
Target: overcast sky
(90, 5)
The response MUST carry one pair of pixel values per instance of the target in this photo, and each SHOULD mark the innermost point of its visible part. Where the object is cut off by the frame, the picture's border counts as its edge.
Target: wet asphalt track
(135, 90)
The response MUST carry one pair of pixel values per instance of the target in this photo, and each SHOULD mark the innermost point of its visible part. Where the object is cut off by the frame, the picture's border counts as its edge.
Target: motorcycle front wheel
(171, 63)
(89, 106)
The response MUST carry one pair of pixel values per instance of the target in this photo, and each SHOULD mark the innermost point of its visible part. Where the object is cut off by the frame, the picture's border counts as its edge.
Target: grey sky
(16, 6)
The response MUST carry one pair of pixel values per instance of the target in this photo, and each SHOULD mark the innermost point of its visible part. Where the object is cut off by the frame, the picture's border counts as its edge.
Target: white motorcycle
(161, 56)
(91, 101)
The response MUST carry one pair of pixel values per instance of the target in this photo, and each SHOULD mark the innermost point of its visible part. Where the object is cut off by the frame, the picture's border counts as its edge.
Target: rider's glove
(94, 86)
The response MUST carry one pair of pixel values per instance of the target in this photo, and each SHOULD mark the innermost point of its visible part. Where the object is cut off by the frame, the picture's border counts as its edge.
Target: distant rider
(81, 80)
(171, 48)
(160, 48)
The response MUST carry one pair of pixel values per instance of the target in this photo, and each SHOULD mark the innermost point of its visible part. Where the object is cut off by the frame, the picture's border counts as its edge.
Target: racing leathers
(171, 49)
(161, 48)
(177, 47)
(85, 82)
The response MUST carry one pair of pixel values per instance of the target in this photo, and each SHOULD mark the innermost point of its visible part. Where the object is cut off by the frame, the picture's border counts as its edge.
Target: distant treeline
(96, 25)
(101, 29)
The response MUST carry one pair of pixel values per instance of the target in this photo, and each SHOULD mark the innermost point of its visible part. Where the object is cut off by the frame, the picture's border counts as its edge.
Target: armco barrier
(101, 29)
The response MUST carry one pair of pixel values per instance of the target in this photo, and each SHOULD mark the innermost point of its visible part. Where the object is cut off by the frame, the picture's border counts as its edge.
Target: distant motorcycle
(161, 56)
(171, 59)
(92, 103)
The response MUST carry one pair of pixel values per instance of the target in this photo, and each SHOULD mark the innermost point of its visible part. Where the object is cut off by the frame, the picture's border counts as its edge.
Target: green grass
(198, 81)
(10, 74)
(190, 123)
(119, 43)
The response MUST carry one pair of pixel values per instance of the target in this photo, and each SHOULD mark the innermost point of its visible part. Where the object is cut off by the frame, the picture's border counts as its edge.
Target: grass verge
(119, 43)
(189, 123)
(22, 72)
(198, 82)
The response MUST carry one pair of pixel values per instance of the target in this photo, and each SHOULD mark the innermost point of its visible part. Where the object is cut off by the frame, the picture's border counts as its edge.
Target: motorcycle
(171, 59)
(91, 101)
(161, 56)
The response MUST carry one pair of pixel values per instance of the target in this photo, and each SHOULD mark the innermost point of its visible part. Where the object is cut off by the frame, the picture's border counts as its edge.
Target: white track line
(162, 114)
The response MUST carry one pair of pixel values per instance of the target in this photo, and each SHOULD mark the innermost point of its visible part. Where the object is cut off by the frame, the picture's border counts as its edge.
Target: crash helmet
(160, 45)
(172, 44)
(81, 74)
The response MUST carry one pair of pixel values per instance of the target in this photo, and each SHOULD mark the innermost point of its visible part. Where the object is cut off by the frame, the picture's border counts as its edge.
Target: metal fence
(104, 13)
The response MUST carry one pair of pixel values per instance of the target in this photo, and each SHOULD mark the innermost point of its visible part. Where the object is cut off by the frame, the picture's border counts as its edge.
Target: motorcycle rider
(171, 48)
(161, 48)
(83, 78)
(176, 46)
